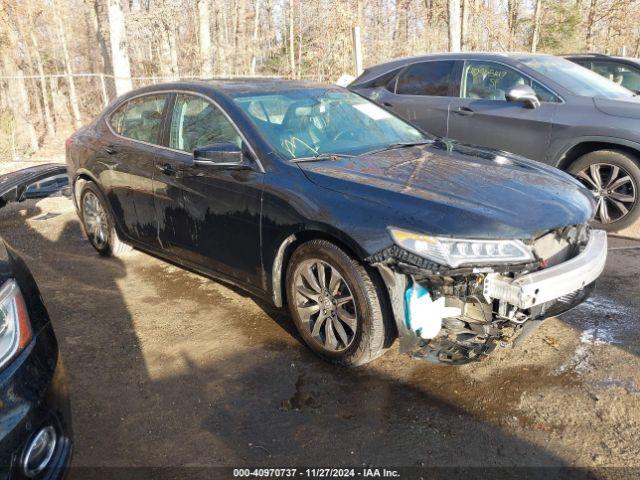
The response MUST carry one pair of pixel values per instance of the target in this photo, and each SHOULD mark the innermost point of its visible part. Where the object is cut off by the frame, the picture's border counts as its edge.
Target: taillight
(67, 143)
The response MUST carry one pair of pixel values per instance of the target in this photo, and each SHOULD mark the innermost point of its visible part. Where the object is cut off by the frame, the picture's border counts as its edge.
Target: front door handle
(167, 169)
(463, 111)
(109, 149)
(387, 104)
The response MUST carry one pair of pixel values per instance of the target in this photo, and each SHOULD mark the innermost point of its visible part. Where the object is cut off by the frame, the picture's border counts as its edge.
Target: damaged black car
(313, 197)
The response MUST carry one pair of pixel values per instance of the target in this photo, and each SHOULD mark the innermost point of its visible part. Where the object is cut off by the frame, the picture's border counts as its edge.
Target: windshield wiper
(393, 146)
(322, 156)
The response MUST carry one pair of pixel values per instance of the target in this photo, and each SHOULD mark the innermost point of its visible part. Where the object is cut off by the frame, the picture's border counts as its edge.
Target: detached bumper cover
(551, 283)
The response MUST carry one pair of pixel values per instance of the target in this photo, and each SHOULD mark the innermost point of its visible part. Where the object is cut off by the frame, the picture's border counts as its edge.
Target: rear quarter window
(139, 118)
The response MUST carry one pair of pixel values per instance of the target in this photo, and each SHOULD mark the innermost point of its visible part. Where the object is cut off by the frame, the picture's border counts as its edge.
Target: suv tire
(614, 168)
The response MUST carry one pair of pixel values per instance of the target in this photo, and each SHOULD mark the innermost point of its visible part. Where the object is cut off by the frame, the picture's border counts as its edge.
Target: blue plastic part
(414, 291)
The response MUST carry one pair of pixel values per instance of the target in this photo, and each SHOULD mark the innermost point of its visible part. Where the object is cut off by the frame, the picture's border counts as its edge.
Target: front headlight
(15, 332)
(457, 252)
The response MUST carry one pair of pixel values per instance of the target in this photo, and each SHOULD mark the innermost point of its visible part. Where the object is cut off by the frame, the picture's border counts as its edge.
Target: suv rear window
(426, 78)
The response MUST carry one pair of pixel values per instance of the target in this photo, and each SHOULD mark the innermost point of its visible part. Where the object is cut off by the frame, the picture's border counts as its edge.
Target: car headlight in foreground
(458, 252)
(15, 332)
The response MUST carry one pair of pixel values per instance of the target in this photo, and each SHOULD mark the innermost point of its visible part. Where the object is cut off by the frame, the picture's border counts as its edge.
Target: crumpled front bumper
(554, 282)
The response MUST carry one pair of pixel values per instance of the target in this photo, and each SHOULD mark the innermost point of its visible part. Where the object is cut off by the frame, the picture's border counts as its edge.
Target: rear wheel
(335, 304)
(98, 223)
(614, 179)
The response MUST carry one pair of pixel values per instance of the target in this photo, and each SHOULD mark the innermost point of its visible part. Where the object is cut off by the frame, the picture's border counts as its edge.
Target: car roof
(234, 86)
(375, 71)
(462, 55)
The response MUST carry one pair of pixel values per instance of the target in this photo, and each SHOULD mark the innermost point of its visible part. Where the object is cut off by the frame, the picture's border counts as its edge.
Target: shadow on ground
(238, 388)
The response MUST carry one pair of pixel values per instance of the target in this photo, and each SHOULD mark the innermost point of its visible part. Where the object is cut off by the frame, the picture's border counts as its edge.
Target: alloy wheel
(325, 305)
(613, 189)
(95, 220)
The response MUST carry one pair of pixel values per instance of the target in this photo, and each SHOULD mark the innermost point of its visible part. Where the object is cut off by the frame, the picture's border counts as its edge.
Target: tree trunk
(536, 26)
(48, 119)
(101, 30)
(591, 20)
(119, 52)
(73, 97)
(513, 7)
(204, 39)
(464, 28)
(18, 98)
(292, 56)
(256, 25)
(454, 25)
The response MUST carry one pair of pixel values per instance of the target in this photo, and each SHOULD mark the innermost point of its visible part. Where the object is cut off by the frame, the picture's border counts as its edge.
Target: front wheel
(614, 179)
(335, 304)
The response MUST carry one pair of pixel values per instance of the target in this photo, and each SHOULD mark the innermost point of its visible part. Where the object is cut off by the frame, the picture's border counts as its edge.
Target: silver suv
(539, 106)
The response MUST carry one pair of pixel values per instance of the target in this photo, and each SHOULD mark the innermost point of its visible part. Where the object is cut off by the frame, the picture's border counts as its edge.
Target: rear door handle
(109, 149)
(464, 111)
(387, 104)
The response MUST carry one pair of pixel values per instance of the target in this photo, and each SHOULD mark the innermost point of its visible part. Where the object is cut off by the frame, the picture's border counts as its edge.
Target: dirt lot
(168, 368)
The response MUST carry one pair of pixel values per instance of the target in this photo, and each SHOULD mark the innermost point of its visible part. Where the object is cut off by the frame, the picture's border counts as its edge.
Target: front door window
(196, 122)
(491, 81)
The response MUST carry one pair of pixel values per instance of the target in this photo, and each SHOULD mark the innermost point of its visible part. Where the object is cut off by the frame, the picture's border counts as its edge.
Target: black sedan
(35, 422)
(314, 197)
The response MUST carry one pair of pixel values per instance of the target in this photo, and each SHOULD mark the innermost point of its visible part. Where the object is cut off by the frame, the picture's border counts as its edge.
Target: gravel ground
(168, 368)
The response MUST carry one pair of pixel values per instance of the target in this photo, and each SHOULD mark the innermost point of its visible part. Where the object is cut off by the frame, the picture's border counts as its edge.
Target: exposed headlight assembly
(458, 252)
(15, 332)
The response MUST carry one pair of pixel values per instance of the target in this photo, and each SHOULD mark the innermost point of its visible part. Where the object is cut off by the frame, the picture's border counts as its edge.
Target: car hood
(447, 188)
(619, 108)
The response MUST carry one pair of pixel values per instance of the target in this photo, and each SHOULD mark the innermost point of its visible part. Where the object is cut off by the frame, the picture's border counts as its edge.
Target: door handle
(387, 104)
(167, 169)
(109, 149)
(463, 111)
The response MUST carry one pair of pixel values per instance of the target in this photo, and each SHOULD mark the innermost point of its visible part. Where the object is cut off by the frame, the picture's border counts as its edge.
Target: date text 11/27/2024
(363, 472)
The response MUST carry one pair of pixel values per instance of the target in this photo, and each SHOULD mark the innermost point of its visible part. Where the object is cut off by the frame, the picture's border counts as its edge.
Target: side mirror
(219, 154)
(523, 94)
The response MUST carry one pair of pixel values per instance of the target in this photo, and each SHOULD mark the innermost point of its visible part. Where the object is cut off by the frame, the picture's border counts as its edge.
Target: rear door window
(426, 78)
(140, 118)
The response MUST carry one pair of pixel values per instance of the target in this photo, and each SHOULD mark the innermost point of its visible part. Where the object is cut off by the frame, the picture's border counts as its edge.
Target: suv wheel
(98, 223)
(614, 179)
(335, 304)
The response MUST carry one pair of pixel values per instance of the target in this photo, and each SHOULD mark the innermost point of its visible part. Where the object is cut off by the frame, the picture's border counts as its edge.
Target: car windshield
(309, 123)
(578, 80)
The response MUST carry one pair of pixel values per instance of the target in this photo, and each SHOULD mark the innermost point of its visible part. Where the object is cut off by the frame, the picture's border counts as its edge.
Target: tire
(373, 331)
(107, 243)
(613, 167)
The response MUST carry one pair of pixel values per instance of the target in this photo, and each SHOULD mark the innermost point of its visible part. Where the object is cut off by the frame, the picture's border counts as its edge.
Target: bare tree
(292, 58)
(119, 52)
(454, 25)
(513, 11)
(591, 21)
(465, 24)
(73, 97)
(204, 38)
(17, 96)
(535, 35)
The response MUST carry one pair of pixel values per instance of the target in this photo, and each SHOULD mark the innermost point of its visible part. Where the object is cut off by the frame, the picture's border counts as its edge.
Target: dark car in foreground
(314, 197)
(542, 107)
(35, 421)
(624, 71)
